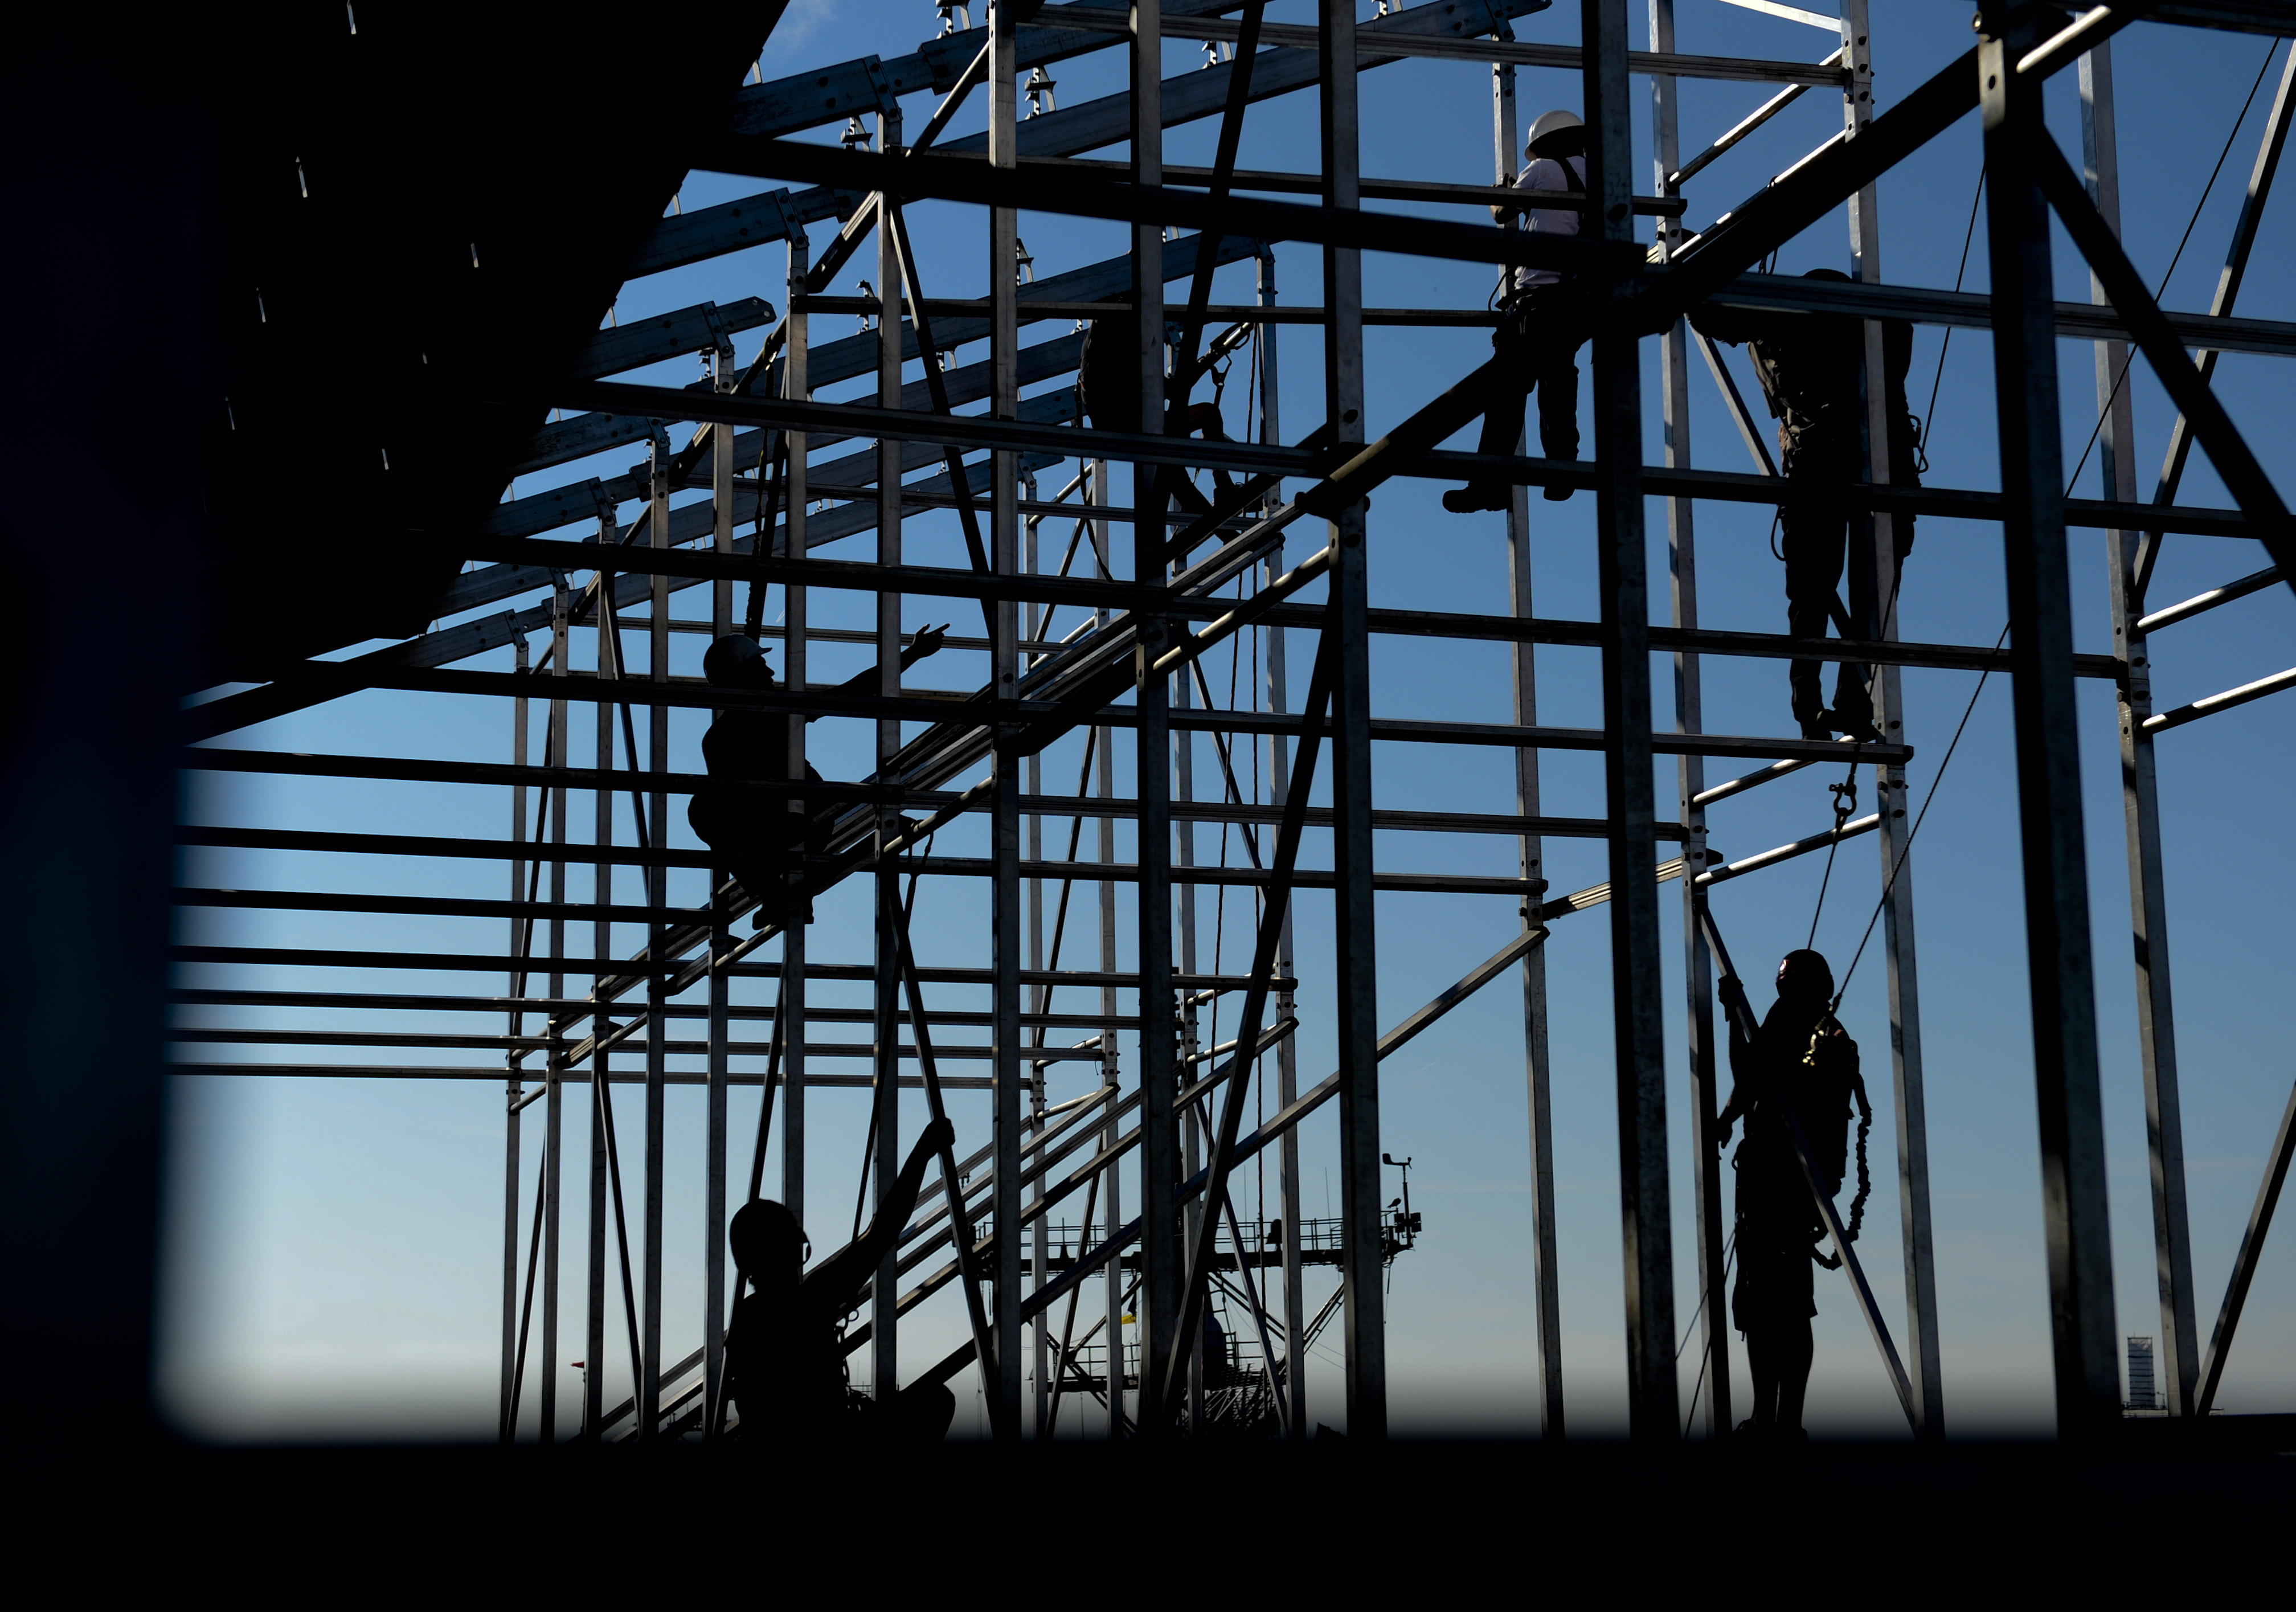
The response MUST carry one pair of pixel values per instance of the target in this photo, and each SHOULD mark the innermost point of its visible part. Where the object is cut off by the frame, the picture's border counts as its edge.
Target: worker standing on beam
(764, 844)
(1542, 322)
(1813, 373)
(1801, 1065)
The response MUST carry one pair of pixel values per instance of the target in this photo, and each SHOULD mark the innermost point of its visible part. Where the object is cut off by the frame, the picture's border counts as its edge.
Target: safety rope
(1864, 1175)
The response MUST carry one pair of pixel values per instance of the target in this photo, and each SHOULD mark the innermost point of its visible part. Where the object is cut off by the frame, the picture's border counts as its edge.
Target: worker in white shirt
(1541, 323)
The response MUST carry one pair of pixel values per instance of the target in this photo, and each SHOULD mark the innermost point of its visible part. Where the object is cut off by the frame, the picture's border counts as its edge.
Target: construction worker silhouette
(784, 1359)
(1812, 368)
(763, 843)
(1800, 1062)
(1108, 391)
(1541, 320)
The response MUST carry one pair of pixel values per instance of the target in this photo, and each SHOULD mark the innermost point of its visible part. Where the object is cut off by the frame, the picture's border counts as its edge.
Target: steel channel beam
(1690, 778)
(884, 1375)
(2077, 1228)
(1160, 1156)
(1354, 918)
(657, 802)
(1530, 857)
(554, 749)
(1004, 900)
(1268, 429)
(2156, 1024)
(1900, 957)
(2244, 1265)
(1636, 983)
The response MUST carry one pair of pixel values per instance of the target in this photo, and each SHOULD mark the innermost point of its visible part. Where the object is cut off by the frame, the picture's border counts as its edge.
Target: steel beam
(1354, 921)
(1900, 957)
(1003, 1390)
(2156, 1024)
(1690, 779)
(1636, 984)
(2076, 1220)
(1160, 1156)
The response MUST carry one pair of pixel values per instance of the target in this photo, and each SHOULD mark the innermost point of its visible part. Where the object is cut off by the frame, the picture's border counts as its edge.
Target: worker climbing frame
(1092, 1234)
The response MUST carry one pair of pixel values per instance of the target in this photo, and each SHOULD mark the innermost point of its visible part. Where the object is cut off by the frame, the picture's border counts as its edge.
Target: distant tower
(2142, 1395)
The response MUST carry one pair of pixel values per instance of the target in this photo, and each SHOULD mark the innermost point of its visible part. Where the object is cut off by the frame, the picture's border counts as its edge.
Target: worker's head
(737, 661)
(1557, 134)
(1826, 273)
(768, 1244)
(1803, 977)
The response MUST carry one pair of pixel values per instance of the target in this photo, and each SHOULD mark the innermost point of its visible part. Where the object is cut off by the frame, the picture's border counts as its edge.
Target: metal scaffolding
(1078, 651)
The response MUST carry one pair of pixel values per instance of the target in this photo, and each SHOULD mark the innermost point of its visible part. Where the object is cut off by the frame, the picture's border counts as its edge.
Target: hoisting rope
(1845, 801)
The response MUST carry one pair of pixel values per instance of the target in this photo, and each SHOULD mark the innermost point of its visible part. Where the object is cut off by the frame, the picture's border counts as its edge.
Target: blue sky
(335, 1245)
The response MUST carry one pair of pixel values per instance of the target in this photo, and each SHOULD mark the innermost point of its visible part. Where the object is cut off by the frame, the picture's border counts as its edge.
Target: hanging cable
(1968, 235)
(1890, 883)
(2129, 358)
(1845, 802)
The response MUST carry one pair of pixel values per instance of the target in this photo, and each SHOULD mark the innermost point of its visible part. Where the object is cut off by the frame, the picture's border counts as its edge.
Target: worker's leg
(1503, 412)
(1793, 1347)
(1747, 1300)
(1811, 538)
(1558, 405)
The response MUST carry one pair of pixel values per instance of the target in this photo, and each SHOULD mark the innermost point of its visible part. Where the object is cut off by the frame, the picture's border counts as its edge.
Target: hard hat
(1551, 123)
(736, 661)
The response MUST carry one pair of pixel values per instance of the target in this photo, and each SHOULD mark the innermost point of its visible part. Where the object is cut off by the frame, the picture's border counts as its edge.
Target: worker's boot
(1477, 495)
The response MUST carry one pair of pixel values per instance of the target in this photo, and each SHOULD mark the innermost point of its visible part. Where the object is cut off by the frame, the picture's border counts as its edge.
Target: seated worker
(1800, 1059)
(1540, 323)
(784, 1359)
(752, 829)
(1107, 392)
(1813, 373)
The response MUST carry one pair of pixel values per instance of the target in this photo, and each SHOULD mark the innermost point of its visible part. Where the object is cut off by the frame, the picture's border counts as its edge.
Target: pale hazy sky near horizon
(334, 1247)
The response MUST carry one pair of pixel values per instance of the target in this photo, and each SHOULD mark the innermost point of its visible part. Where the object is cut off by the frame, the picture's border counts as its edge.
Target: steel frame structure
(766, 452)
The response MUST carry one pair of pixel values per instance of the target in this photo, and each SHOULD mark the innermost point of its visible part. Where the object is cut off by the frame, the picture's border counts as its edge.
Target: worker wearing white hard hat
(1540, 326)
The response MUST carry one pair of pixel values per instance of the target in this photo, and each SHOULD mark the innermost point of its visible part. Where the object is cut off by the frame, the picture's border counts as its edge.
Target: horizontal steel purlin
(577, 1076)
(975, 432)
(485, 773)
(455, 962)
(640, 694)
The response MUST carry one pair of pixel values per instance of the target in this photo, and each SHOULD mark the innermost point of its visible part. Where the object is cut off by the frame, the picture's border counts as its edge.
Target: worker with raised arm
(1800, 1066)
(784, 1357)
(1812, 368)
(762, 841)
(1542, 321)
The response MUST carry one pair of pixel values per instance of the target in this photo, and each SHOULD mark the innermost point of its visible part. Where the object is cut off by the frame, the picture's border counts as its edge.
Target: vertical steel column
(713, 1214)
(1635, 982)
(1706, 1166)
(1159, 1301)
(1191, 1159)
(2076, 1221)
(516, 1083)
(1004, 521)
(884, 1310)
(789, 1002)
(554, 748)
(1039, 998)
(1545, 1272)
(657, 888)
(1279, 772)
(1111, 1190)
(602, 947)
(1911, 1117)
(2148, 899)
(1354, 920)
